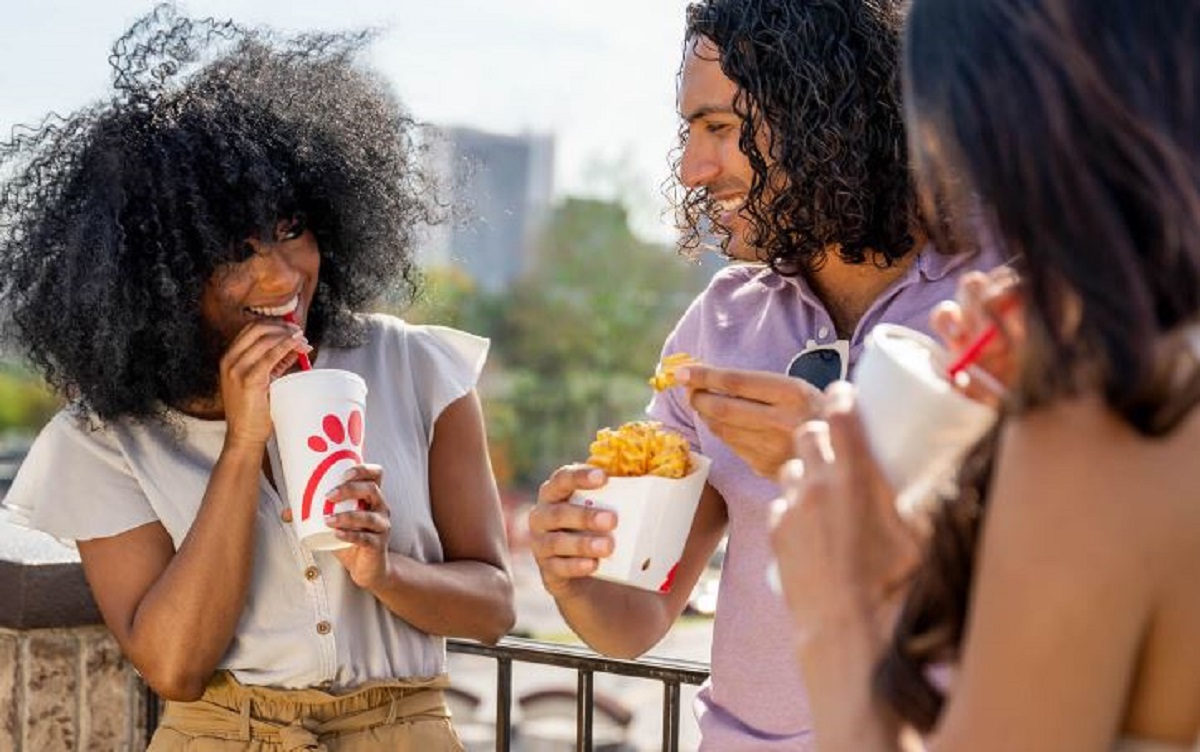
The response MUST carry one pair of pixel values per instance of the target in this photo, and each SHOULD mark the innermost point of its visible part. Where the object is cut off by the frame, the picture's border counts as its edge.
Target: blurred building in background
(500, 188)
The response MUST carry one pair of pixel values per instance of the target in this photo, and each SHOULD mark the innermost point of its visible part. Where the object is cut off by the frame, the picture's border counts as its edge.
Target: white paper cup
(654, 517)
(919, 426)
(319, 419)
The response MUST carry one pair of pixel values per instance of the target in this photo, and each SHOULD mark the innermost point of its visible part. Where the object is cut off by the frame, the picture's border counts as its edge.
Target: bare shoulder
(1084, 607)
(1076, 468)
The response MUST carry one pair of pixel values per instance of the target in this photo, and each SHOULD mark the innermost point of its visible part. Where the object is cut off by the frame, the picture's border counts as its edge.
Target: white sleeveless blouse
(305, 623)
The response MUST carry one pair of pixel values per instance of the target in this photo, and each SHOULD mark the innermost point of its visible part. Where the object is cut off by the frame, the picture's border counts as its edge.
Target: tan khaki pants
(392, 715)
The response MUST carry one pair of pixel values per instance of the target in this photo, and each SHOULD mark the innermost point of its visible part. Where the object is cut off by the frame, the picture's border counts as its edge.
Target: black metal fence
(672, 673)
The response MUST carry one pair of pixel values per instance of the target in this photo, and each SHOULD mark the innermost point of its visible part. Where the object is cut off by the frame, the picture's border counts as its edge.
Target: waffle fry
(641, 447)
(664, 374)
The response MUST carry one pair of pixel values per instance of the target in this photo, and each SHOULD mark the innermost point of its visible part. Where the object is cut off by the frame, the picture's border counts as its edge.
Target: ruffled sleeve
(76, 484)
(445, 364)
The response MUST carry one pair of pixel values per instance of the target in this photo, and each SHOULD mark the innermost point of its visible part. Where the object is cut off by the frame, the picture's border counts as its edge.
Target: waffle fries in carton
(654, 486)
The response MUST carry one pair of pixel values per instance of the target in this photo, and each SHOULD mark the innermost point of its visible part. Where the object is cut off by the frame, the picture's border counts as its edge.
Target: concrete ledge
(41, 581)
(43, 596)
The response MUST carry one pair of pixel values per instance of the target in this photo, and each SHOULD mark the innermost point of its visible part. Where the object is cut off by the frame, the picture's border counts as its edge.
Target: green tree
(26, 403)
(574, 341)
(581, 333)
(448, 296)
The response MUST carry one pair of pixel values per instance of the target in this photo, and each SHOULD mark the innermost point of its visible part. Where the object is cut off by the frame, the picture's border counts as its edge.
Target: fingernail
(840, 396)
(347, 476)
(298, 334)
(605, 520)
(595, 476)
(774, 581)
(330, 519)
(683, 375)
(778, 507)
(597, 545)
(791, 473)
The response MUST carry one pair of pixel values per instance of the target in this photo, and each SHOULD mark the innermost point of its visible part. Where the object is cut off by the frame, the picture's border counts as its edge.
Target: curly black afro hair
(113, 219)
(822, 79)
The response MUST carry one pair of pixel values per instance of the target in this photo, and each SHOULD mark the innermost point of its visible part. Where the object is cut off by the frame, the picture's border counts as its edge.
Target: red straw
(305, 365)
(972, 353)
(975, 349)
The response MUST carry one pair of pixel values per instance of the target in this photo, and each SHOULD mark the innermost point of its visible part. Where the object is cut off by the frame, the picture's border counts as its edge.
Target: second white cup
(918, 424)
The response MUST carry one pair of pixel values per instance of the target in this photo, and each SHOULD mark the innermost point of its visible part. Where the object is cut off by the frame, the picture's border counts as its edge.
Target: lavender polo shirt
(751, 318)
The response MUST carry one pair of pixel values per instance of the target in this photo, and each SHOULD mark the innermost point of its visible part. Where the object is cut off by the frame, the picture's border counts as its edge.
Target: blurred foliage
(26, 403)
(574, 341)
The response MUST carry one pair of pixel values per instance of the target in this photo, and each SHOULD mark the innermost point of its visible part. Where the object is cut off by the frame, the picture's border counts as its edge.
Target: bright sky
(600, 76)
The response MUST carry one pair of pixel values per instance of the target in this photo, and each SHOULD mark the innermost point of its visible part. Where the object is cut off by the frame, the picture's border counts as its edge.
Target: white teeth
(278, 311)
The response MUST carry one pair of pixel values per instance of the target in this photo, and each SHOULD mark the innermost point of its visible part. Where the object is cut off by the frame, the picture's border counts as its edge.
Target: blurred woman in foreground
(1060, 580)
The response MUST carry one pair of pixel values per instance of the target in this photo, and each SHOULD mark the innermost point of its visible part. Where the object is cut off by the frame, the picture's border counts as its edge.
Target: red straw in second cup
(973, 351)
(305, 365)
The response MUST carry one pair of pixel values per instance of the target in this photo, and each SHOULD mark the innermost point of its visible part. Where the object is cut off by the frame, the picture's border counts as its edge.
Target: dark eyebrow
(706, 110)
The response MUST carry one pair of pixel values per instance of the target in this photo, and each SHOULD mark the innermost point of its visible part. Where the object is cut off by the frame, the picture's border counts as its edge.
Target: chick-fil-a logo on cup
(335, 433)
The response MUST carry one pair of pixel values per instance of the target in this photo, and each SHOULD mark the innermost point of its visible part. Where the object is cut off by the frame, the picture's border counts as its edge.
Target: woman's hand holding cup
(983, 301)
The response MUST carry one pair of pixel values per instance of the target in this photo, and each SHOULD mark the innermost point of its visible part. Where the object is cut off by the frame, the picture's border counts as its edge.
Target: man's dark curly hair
(113, 219)
(821, 79)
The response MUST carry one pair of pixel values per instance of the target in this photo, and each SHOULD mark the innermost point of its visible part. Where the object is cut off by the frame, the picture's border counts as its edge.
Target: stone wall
(63, 683)
(68, 689)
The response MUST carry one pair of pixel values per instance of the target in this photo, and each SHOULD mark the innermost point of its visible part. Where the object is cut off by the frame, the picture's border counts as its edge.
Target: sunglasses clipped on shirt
(821, 365)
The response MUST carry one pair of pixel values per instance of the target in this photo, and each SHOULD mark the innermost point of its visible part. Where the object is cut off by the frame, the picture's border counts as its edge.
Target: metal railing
(672, 673)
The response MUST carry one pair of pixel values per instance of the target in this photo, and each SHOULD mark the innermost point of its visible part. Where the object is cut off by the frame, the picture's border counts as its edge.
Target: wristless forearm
(838, 662)
(452, 599)
(616, 620)
(202, 591)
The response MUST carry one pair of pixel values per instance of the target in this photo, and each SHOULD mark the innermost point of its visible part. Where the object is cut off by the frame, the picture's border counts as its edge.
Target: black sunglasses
(821, 365)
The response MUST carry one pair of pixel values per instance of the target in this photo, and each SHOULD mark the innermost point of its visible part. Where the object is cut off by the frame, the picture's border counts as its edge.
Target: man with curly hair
(166, 253)
(794, 155)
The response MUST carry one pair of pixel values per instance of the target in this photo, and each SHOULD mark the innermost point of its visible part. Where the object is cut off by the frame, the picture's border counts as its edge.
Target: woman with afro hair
(155, 249)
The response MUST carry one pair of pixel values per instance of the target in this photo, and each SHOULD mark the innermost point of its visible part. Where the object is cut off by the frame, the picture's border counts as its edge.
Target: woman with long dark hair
(1055, 606)
(164, 254)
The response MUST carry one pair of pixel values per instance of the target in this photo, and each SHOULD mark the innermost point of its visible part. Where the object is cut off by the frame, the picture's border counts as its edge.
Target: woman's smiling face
(274, 279)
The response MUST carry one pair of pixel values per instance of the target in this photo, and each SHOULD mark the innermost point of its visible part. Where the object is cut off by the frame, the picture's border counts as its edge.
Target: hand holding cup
(366, 528)
(985, 324)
